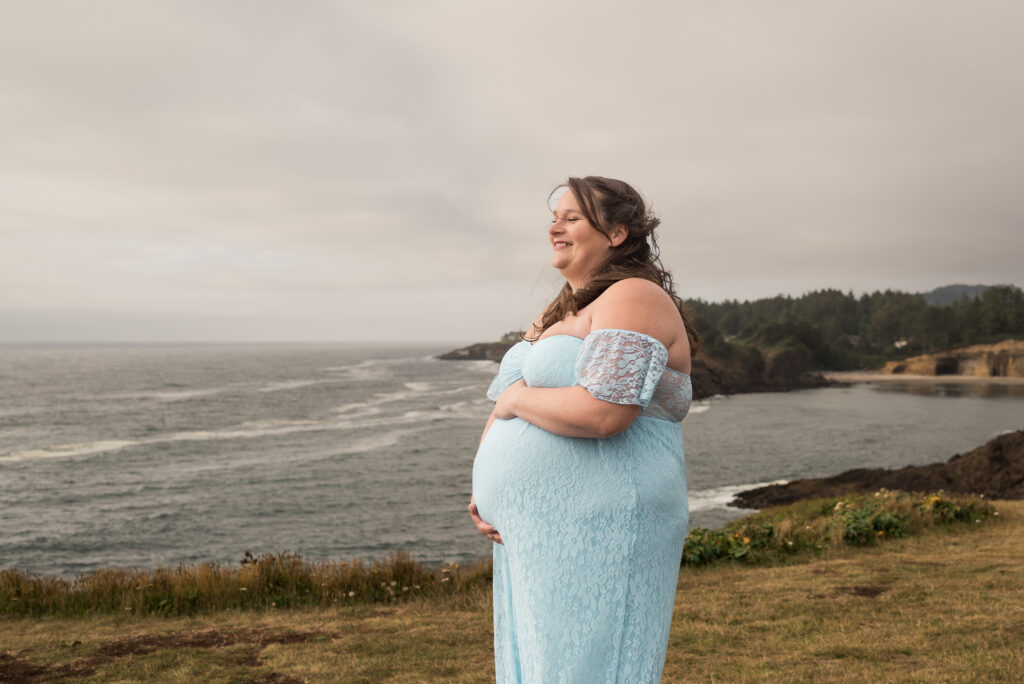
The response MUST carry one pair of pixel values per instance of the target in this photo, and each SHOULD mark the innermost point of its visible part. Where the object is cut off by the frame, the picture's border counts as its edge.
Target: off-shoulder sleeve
(621, 366)
(510, 370)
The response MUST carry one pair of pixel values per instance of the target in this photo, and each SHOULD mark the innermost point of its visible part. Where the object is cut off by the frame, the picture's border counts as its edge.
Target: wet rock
(995, 469)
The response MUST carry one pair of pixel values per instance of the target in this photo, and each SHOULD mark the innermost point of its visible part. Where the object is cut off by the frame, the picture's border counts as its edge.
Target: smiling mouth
(560, 244)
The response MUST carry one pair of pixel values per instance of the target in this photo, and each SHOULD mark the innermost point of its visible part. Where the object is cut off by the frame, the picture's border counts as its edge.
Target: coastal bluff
(741, 369)
(995, 469)
(1002, 360)
(483, 351)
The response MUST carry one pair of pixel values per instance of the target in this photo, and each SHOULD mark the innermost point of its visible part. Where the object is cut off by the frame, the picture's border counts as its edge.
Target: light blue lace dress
(593, 529)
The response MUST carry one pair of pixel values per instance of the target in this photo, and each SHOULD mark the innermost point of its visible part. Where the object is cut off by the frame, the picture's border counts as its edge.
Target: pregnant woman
(579, 479)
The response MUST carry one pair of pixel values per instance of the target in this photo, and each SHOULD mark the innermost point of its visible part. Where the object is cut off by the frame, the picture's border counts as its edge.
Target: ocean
(147, 455)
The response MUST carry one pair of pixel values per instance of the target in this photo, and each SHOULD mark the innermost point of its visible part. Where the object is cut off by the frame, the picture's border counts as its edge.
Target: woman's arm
(632, 304)
(567, 411)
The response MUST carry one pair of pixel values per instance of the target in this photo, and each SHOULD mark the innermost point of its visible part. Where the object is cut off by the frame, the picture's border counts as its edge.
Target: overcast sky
(255, 170)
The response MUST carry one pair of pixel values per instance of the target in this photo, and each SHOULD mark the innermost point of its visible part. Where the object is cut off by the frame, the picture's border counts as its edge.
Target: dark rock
(995, 469)
(746, 369)
(481, 351)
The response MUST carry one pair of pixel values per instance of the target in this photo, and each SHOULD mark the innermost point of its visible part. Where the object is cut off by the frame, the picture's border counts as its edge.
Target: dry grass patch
(275, 580)
(435, 640)
(946, 606)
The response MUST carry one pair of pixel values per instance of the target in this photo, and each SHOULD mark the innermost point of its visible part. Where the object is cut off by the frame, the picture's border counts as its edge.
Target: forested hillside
(844, 332)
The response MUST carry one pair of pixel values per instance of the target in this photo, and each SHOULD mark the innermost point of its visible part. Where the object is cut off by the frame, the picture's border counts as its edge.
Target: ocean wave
(368, 369)
(719, 497)
(353, 406)
(370, 418)
(289, 384)
(66, 450)
(167, 395)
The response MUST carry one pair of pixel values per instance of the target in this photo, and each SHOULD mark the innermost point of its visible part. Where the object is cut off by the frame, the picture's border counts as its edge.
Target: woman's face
(579, 248)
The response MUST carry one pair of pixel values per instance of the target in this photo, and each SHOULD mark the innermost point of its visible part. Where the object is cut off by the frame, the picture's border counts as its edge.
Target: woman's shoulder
(632, 296)
(639, 305)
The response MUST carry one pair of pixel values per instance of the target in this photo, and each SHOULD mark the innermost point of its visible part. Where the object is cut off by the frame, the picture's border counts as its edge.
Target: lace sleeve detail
(510, 370)
(621, 366)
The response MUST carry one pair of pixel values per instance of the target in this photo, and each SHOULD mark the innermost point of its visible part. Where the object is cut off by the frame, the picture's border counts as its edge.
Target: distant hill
(947, 294)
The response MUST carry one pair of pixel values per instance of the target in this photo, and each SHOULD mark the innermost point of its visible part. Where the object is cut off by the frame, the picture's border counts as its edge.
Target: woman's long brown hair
(606, 203)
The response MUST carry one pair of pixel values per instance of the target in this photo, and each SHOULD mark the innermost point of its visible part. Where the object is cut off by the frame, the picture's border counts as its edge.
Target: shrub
(816, 525)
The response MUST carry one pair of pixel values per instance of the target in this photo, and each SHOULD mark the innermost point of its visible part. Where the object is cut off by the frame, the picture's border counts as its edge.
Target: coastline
(852, 377)
(994, 470)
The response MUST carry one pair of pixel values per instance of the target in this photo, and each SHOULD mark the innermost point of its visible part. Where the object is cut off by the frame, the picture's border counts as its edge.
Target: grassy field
(947, 605)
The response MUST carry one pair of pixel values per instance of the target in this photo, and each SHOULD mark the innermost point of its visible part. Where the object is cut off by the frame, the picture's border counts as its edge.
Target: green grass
(279, 580)
(779, 534)
(945, 604)
(284, 580)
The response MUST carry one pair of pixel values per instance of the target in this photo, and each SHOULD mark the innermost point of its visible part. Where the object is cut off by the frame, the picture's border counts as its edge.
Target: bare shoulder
(640, 305)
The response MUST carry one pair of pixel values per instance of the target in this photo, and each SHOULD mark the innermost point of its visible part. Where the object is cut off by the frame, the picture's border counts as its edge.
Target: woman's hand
(484, 527)
(504, 407)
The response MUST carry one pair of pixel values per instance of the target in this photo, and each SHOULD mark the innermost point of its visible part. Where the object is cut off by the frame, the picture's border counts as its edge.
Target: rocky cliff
(747, 369)
(995, 469)
(1004, 360)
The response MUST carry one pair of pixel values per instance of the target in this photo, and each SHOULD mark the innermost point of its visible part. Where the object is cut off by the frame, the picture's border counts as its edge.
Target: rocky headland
(735, 370)
(995, 469)
(1002, 360)
(481, 351)
(749, 369)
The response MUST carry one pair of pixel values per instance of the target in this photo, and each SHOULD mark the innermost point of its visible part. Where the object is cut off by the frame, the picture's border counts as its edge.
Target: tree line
(844, 332)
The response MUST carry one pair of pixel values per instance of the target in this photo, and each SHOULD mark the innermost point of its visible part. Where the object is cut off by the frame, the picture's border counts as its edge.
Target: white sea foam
(346, 408)
(168, 395)
(243, 430)
(65, 450)
(373, 442)
(719, 497)
(369, 369)
(371, 418)
(289, 384)
(480, 366)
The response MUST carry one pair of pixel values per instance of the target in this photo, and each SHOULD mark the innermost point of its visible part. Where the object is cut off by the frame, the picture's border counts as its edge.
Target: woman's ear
(619, 235)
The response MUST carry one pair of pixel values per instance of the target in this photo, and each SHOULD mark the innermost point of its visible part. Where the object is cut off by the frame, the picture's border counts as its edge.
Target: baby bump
(524, 476)
(511, 454)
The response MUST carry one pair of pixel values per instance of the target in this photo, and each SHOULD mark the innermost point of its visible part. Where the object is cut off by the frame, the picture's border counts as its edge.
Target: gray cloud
(355, 170)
